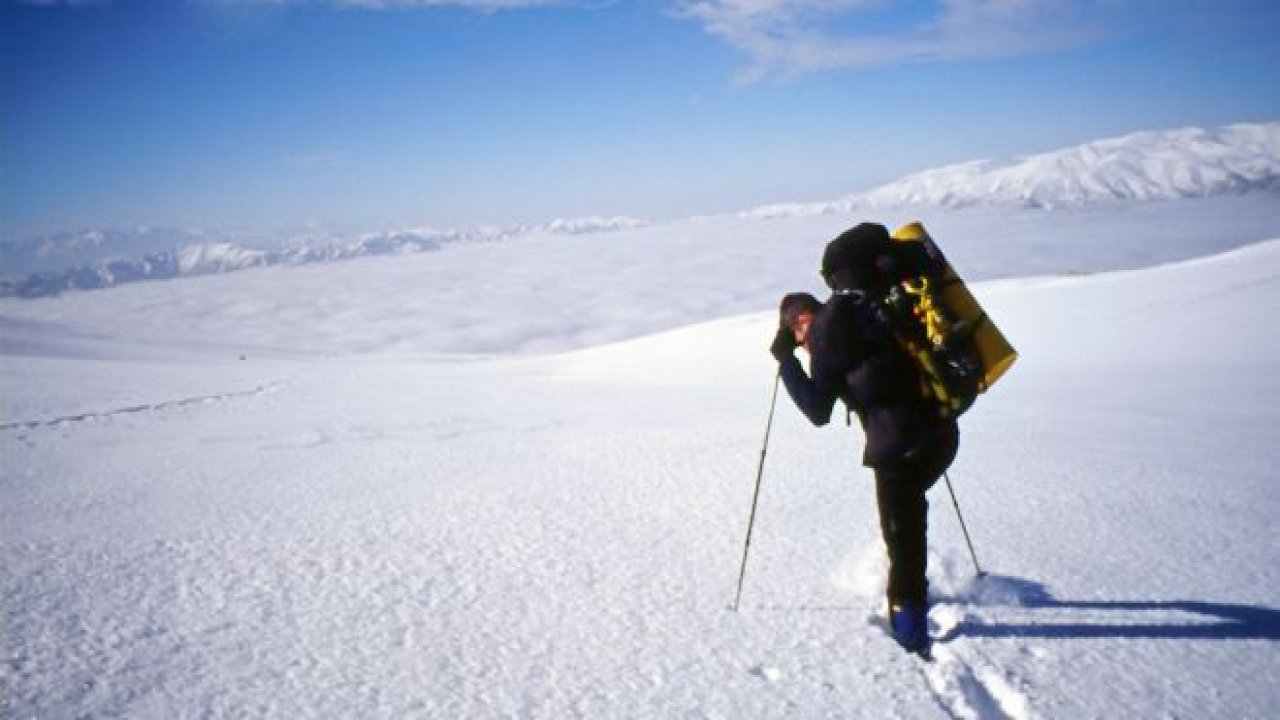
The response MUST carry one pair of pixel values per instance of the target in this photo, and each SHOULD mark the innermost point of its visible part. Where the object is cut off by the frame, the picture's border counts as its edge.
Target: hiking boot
(910, 625)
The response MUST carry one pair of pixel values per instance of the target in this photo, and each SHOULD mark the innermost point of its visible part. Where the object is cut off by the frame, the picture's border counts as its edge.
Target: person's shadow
(1150, 619)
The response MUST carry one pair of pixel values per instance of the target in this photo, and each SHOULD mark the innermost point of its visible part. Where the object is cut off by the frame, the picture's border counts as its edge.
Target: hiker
(853, 358)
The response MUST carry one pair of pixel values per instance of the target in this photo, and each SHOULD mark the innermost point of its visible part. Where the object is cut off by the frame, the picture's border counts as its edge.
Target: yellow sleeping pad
(994, 351)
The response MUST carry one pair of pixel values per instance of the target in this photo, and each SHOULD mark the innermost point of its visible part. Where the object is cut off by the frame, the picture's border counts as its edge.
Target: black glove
(784, 344)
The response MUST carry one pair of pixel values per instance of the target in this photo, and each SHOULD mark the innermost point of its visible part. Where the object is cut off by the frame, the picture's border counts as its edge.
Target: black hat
(850, 261)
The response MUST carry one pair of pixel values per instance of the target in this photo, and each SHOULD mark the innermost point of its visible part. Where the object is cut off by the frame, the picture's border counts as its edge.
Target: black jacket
(853, 359)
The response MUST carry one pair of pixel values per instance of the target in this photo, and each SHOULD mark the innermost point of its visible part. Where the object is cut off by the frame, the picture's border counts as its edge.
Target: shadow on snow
(1134, 619)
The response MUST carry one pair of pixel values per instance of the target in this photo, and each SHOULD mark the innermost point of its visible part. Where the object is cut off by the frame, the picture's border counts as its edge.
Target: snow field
(290, 576)
(406, 534)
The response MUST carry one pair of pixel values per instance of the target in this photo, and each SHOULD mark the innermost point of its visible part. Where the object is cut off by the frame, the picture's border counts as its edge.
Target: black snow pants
(904, 511)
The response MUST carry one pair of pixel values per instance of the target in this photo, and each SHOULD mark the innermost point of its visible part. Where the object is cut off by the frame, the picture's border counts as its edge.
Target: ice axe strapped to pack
(941, 346)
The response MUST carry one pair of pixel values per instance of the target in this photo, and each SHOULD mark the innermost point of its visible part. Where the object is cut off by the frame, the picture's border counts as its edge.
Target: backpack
(927, 309)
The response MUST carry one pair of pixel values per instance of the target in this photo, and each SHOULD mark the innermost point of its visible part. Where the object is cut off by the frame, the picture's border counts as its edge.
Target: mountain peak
(1142, 166)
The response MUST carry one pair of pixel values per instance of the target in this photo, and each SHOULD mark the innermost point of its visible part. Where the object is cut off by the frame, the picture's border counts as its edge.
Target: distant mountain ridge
(1139, 167)
(1145, 166)
(105, 258)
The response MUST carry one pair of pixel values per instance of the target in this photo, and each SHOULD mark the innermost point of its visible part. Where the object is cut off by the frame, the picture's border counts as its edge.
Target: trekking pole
(742, 573)
(977, 568)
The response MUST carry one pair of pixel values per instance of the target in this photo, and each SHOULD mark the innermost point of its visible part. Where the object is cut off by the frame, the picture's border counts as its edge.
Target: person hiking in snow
(853, 358)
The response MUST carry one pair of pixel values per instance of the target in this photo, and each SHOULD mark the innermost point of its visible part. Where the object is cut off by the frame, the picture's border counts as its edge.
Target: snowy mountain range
(104, 258)
(1145, 166)
(1141, 167)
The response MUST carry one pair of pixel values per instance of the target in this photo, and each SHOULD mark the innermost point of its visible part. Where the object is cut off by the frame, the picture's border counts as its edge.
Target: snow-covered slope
(187, 534)
(1146, 166)
(1191, 162)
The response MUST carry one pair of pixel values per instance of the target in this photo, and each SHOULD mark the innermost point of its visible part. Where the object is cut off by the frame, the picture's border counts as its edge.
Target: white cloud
(791, 37)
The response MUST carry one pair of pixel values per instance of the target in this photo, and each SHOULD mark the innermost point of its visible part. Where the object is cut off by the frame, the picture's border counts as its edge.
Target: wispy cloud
(793, 37)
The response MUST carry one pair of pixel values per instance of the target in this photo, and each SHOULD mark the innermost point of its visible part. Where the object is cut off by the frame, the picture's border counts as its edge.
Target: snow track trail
(972, 687)
(144, 408)
(967, 682)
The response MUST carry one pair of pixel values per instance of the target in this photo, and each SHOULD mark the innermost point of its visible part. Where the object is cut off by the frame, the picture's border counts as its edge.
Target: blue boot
(910, 625)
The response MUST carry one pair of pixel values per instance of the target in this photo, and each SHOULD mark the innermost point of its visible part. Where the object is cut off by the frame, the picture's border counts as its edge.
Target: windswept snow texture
(252, 496)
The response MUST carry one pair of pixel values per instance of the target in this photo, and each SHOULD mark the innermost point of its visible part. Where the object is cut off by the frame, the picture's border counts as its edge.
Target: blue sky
(454, 113)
